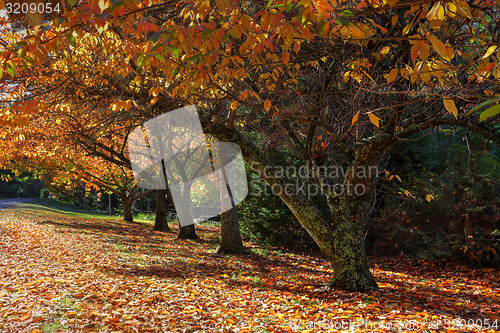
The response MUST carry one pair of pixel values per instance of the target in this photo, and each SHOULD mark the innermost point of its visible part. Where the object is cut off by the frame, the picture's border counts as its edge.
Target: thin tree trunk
(230, 227)
(184, 212)
(161, 216)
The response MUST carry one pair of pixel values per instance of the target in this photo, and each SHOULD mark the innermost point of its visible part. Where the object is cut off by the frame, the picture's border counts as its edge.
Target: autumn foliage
(339, 82)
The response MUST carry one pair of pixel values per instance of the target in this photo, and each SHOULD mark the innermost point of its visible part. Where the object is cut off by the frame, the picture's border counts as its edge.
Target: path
(6, 203)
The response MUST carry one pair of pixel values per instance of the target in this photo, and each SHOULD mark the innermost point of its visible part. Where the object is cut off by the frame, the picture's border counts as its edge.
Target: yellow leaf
(450, 106)
(490, 51)
(424, 52)
(222, 5)
(436, 12)
(451, 9)
(425, 73)
(267, 105)
(392, 75)
(406, 29)
(436, 24)
(440, 48)
(234, 104)
(385, 50)
(405, 72)
(103, 4)
(204, 8)
(463, 9)
(128, 104)
(374, 119)
(345, 31)
(415, 74)
(391, 3)
(450, 53)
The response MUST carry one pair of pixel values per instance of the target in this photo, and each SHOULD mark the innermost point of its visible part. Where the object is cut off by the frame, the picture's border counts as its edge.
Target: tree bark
(127, 209)
(161, 215)
(187, 232)
(340, 239)
(230, 241)
(230, 227)
(349, 263)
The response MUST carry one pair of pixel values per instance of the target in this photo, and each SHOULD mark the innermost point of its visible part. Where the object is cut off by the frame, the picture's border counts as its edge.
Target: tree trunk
(161, 216)
(187, 232)
(340, 240)
(127, 209)
(350, 264)
(230, 227)
(230, 241)
(184, 213)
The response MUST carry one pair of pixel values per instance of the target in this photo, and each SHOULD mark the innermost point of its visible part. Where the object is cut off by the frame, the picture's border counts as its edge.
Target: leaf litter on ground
(61, 273)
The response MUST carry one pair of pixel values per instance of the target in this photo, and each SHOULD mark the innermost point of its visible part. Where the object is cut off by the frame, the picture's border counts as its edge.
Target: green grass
(56, 206)
(60, 207)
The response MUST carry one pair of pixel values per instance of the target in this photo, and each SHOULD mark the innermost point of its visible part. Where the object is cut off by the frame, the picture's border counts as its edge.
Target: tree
(161, 212)
(340, 84)
(42, 152)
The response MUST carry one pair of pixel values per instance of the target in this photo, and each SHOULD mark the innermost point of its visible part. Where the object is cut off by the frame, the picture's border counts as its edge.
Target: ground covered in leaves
(60, 273)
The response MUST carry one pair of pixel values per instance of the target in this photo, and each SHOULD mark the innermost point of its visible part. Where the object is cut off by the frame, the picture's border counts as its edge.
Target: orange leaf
(392, 75)
(415, 50)
(267, 105)
(357, 32)
(355, 118)
(374, 119)
(26, 317)
(286, 58)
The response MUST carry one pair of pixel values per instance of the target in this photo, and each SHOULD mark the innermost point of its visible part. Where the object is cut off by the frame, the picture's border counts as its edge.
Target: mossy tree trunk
(340, 237)
(350, 264)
